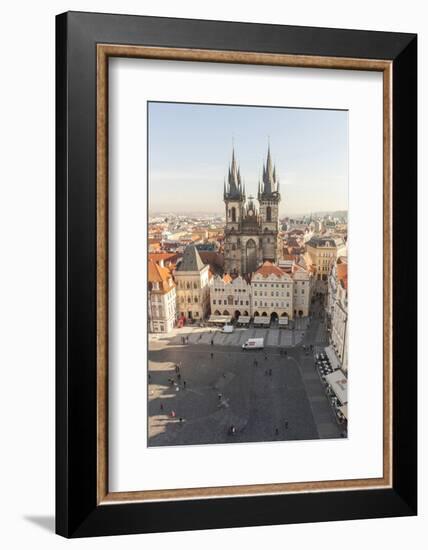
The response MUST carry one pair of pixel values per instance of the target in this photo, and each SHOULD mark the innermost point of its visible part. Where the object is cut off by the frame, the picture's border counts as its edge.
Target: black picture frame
(77, 511)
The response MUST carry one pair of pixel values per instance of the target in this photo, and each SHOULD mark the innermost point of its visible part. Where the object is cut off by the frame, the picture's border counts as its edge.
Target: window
(268, 214)
(214, 302)
(234, 214)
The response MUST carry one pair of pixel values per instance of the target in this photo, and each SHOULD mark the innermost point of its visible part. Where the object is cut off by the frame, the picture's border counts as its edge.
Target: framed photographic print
(236, 321)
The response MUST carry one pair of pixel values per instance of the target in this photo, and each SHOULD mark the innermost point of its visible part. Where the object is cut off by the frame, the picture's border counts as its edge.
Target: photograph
(247, 274)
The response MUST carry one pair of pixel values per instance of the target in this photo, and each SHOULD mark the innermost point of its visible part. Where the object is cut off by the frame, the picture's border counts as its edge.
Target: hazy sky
(190, 149)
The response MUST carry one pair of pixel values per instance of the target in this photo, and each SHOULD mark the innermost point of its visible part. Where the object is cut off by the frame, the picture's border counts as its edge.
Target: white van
(228, 328)
(254, 343)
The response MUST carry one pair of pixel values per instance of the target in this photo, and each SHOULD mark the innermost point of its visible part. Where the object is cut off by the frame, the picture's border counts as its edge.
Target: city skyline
(190, 148)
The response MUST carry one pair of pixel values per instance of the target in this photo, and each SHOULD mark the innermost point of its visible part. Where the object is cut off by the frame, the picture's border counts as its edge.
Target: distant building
(321, 252)
(161, 298)
(193, 280)
(165, 259)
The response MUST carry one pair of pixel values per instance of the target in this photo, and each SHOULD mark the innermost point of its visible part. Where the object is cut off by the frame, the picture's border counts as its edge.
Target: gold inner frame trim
(104, 51)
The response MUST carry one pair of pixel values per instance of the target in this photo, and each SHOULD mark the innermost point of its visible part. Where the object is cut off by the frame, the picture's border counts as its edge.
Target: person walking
(184, 384)
(161, 406)
(212, 355)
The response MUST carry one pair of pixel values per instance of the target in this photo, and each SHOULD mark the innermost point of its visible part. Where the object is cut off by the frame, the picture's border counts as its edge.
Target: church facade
(251, 231)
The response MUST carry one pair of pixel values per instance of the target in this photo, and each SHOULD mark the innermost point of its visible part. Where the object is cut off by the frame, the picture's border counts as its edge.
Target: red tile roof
(161, 275)
(342, 274)
(269, 268)
(165, 256)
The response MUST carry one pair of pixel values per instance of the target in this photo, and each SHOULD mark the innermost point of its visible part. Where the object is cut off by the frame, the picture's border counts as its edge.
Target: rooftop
(191, 260)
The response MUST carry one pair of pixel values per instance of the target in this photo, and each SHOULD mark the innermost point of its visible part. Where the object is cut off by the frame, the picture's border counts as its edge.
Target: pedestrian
(276, 431)
(179, 376)
(270, 372)
(212, 355)
(286, 425)
(184, 383)
(161, 406)
(181, 419)
(212, 342)
(173, 414)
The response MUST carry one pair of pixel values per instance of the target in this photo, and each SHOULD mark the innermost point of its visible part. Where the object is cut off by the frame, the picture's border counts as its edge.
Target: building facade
(338, 311)
(162, 312)
(251, 231)
(302, 291)
(230, 296)
(320, 254)
(193, 279)
(272, 292)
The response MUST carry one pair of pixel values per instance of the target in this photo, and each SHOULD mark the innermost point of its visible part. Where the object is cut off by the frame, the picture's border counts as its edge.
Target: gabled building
(193, 281)
(230, 296)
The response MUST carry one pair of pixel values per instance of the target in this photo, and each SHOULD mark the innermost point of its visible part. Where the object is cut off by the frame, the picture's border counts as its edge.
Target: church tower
(234, 199)
(269, 199)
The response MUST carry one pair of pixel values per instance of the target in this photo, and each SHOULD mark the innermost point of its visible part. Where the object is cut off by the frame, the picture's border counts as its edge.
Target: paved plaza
(265, 395)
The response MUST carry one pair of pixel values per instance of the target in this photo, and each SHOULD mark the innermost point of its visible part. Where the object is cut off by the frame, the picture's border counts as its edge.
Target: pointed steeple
(234, 182)
(269, 179)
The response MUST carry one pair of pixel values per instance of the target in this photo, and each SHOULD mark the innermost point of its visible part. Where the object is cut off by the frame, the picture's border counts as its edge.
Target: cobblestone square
(265, 395)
